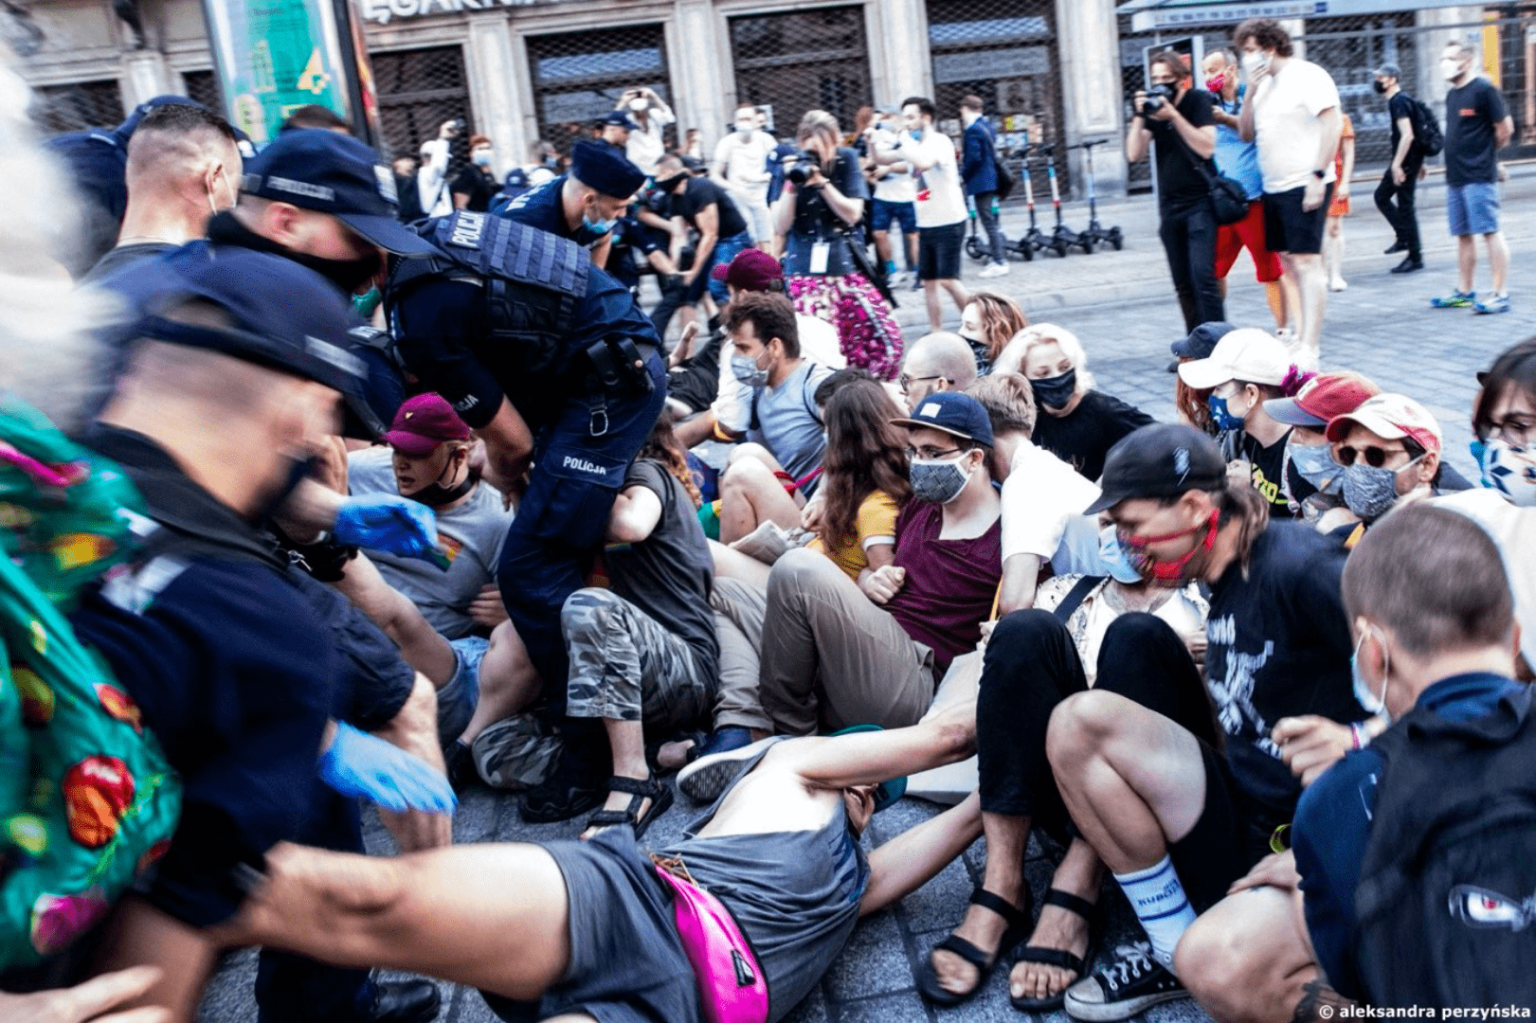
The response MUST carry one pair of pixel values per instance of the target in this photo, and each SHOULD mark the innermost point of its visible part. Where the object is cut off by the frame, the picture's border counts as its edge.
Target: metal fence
(579, 76)
(418, 90)
(203, 86)
(77, 106)
(797, 61)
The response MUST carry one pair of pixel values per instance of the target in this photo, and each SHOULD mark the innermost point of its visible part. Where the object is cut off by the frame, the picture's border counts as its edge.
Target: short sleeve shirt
(940, 196)
(787, 423)
(896, 186)
(1472, 115)
(470, 534)
(950, 584)
(875, 524)
(1235, 158)
(1399, 108)
(700, 193)
(1184, 611)
(1286, 124)
(1042, 497)
(1084, 437)
(477, 185)
(814, 222)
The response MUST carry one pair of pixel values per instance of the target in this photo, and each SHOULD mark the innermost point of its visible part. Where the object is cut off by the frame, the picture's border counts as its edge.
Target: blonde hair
(1016, 354)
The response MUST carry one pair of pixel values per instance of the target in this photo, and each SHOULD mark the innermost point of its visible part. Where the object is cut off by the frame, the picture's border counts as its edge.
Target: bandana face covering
(1166, 573)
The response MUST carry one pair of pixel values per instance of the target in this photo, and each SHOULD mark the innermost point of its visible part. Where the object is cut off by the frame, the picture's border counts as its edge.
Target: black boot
(404, 1001)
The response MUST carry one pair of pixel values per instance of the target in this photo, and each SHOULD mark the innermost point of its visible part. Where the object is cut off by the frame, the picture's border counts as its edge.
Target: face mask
(1371, 493)
(1379, 86)
(1165, 573)
(938, 480)
(1451, 69)
(638, 104)
(435, 495)
(1112, 560)
(1216, 83)
(745, 127)
(600, 225)
(1371, 703)
(917, 134)
(746, 370)
(1316, 465)
(1055, 391)
(1511, 471)
(667, 184)
(1253, 63)
(481, 158)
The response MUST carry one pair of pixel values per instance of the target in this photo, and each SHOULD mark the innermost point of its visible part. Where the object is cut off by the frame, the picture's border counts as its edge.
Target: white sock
(1157, 896)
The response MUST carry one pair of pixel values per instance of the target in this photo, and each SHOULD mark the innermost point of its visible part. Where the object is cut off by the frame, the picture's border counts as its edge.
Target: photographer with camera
(1179, 120)
(826, 268)
(432, 178)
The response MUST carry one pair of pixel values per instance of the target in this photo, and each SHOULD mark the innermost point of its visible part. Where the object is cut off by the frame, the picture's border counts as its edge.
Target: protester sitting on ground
(1136, 638)
(1245, 369)
(1194, 405)
(770, 477)
(1435, 638)
(585, 928)
(1078, 424)
(184, 165)
(1043, 497)
(988, 322)
(428, 460)
(1173, 818)
(1313, 480)
(937, 362)
(1389, 449)
(838, 653)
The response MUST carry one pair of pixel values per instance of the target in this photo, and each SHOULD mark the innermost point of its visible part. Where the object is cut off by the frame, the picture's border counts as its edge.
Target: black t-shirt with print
(1268, 471)
(476, 184)
(1179, 185)
(1083, 438)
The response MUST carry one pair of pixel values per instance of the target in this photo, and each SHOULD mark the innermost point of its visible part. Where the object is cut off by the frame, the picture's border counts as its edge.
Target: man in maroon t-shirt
(838, 653)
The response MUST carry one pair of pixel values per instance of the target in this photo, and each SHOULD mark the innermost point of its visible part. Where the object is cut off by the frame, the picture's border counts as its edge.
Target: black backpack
(1446, 906)
(1427, 136)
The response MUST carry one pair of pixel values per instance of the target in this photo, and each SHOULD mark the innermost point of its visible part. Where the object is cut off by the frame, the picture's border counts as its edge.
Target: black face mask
(1055, 391)
(347, 274)
(435, 495)
(1379, 85)
(668, 184)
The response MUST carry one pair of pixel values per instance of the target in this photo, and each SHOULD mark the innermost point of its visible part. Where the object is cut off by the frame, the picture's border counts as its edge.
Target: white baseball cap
(1248, 354)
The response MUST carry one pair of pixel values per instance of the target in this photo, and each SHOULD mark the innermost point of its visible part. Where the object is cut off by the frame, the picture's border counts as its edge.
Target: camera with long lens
(805, 163)
(1157, 95)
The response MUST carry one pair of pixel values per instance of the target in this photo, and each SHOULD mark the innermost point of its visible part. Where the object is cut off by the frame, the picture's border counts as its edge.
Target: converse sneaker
(1131, 984)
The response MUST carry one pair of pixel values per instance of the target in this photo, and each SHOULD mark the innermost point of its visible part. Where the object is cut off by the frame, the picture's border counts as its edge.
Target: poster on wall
(274, 56)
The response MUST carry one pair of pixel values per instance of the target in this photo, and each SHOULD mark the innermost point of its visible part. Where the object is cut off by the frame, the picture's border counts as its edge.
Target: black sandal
(1018, 920)
(652, 788)
(1057, 957)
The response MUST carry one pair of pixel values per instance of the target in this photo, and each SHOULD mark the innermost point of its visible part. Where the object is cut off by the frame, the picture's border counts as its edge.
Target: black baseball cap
(1159, 460)
(328, 172)
(282, 315)
(954, 413)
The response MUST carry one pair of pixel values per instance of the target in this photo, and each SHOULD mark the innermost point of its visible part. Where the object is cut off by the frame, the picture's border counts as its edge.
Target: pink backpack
(731, 984)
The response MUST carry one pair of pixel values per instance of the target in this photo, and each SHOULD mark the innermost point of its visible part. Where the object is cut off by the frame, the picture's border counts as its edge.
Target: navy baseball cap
(954, 413)
(1201, 341)
(621, 119)
(1159, 460)
(282, 315)
(328, 172)
(606, 169)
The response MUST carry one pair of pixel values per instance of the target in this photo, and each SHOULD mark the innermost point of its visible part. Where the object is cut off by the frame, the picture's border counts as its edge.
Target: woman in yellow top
(864, 478)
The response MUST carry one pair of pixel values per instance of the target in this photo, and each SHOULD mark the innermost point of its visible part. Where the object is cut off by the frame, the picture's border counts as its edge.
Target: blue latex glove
(387, 522)
(359, 764)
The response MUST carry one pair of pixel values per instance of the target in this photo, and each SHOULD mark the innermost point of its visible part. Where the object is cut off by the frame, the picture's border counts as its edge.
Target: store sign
(385, 11)
(1015, 62)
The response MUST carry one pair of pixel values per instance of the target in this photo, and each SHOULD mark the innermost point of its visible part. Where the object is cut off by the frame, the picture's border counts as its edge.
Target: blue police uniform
(515, 313)
(541, 208)
(631, 237)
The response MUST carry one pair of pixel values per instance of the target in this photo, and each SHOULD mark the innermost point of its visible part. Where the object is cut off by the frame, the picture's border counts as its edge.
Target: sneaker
(1397, 246)
(1496, 304)
(990, 270)
(1338, 284)
(898, 278)
(707, 777)
(767, 543)
(917, 283)
(1003, 269)
(1457, 299)
(1133, 983)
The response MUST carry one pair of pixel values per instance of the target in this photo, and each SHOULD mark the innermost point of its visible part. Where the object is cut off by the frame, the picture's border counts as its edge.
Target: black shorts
(938, 252)
(1231, 835)
(1289, 228)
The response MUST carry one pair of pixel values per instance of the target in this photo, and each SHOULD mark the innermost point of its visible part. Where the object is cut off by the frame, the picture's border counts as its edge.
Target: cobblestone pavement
(1121, 305)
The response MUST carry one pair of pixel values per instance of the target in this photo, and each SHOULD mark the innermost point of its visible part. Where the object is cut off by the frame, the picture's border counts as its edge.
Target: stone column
(495, 90)
(1089, 40)
(147, 74)
(900, 63)
(697, 48)
(1432, 86)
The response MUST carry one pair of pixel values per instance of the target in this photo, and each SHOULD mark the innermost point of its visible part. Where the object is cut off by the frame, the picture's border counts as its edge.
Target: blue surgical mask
(745, 369)
(1315, 464)
(1371, 702)
(917, 134)
(1221, 415)
(1113, 561)
(481, 159)
(598, 226)
(939, 480)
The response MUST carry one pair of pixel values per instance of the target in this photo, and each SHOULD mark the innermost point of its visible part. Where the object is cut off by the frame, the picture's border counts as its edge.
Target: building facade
(1057, 71)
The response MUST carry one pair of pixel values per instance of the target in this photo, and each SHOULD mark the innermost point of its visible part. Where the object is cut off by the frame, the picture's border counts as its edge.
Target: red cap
(423, 423)
(1322, 399)
(751, 270)
(1391, 417)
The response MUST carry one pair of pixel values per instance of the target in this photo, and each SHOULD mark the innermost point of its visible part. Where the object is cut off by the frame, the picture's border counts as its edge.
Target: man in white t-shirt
(1293, 113)
(741, 165)
(941, 212)
(646, 144)
(895, 197)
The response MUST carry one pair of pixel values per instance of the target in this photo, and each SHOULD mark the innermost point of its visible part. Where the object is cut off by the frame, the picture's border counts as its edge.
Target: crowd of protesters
(327, 482)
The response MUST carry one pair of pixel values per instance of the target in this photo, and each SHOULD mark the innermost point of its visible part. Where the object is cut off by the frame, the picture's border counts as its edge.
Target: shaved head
(183, 164)
(943, 354)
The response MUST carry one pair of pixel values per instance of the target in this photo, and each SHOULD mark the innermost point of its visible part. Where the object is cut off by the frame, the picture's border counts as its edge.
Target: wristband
(1354, 734)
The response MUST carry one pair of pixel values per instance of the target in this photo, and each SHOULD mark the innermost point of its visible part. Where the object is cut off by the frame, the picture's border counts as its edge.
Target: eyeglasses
(905, 381)
(929, 454)
(1374, 457)
(1517, 433)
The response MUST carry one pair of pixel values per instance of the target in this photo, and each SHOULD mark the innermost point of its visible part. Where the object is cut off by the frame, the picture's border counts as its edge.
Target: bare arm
(508, 446)
(784, 209)
(1201, 140)
(599, 252)
(1333, 126)
(912, 858)
(1245, 119)
(1405, 142)
(1504, 131)
(1137, 138)
(867, 758)
(1347, 170)
(708, 223)
(635, 515)
(1021, 578)
(389, 609)
(696, 430)
(850, 211)
(141, 935)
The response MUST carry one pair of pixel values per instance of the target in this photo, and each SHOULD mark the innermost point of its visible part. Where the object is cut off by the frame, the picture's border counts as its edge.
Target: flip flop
(1018, 920)
(1061, 958)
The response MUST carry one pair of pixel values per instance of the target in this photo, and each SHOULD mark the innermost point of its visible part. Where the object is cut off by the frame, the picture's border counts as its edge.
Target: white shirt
(1043, 500)
(1184, 610)
(895, 186)
(745, 161)
(940, 199)
(646, 145)
(1286, 125)
(432, 182)
(1514, 532)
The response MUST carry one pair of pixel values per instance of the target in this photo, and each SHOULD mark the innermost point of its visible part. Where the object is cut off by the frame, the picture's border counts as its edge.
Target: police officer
(546, 357)
(586, 204)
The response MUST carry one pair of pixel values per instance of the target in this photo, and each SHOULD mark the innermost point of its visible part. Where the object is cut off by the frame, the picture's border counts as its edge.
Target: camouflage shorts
(626, 666)
(516, 753)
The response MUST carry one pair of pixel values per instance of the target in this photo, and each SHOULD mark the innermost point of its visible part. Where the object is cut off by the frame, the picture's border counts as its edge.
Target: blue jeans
(726, 249)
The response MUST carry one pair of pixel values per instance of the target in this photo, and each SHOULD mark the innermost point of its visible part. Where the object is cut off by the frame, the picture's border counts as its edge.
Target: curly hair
(1267, 33)
(664, 447)
(865, 453)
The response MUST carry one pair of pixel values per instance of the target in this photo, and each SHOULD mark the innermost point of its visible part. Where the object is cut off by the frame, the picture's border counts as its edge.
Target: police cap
(602, 167)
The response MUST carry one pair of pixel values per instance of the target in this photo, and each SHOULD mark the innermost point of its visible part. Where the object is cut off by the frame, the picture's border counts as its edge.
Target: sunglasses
(1374, 457)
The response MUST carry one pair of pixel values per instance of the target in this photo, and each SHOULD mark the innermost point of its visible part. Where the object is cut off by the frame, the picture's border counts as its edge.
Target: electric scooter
(1034, 238)
(1063, 237)
(975, 246)
(1096, 233)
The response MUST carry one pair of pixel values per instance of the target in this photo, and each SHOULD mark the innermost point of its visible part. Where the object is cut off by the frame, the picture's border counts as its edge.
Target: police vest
(535, 283)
